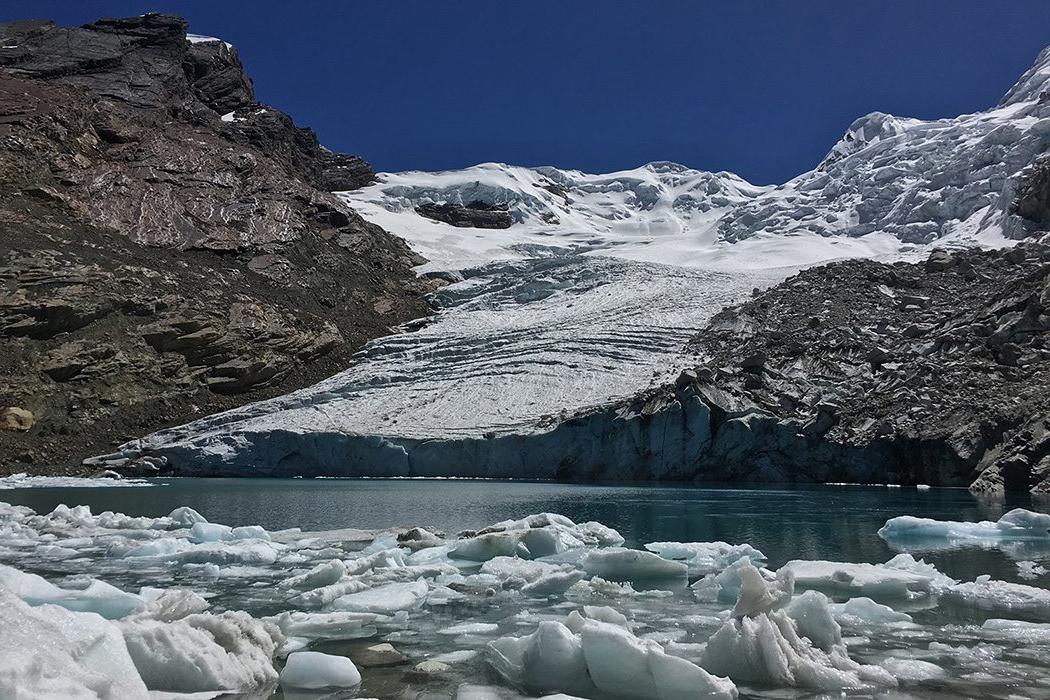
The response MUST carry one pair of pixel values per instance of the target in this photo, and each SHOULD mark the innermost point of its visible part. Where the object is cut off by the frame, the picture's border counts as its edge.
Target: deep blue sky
(760, 88)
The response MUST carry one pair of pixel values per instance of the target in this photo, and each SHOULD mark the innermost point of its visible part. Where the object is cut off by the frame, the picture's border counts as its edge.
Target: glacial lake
(836, 523)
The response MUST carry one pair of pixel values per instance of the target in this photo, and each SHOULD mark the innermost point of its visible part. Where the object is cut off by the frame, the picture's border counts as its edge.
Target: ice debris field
(113, 606)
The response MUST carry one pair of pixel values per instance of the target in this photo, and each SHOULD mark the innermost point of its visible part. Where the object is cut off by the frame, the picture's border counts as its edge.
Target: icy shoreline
(179, 605)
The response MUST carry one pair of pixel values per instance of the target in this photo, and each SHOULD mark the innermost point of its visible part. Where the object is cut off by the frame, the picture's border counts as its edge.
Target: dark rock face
(1033, 198)
(474, 215)
(159, 261)
(217, 77)
(931, 373)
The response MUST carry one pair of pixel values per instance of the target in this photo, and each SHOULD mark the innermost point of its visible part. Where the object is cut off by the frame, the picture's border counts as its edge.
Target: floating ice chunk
(535, 578)
(815, 621)
(620, 664)
(1029, 570)
(913, 670)
(767, 649)
(604, 659)
(456, 657)
(250, 532)
(210, 532)
(386, 599)
(170, 604)
(231, 651)
(757, 595)
(163, 547)
(25, 481)
(312, 669)
(896, 579)
(1002, 598)
(911, 533)
(799, 646)
(526, 544)
(602, 535)
(184, 516)
(325, 574)
(98, 597)
(51, 652)
(601, 613)
(706, 557)
(620, 564)
(865, 611)
(329, 625)
(419, 538)
(725, 585)
(1016, 630)
(601, 588)
(489, 546)
(469, 628)
(379, 559)
(585, 534)
(552, 584)
(906, 562)
(381, 543)
(507, 568)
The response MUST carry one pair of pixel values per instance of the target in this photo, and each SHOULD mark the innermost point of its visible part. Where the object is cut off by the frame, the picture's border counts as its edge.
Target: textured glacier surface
(113, 606)
(601, 278)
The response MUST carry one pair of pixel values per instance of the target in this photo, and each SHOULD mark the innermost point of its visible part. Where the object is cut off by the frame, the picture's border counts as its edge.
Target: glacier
(114, 622)
(587, 299)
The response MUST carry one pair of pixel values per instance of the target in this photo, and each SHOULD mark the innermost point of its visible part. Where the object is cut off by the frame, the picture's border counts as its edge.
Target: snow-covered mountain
(598, 279)
(889, 186)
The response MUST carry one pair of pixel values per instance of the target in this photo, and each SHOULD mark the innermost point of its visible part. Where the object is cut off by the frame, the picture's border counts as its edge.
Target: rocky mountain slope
(556, 354)
(168, 246)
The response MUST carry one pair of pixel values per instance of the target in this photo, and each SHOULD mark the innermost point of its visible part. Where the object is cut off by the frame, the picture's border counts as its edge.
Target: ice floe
(1022, 531)
(312, 669)
(23, 480)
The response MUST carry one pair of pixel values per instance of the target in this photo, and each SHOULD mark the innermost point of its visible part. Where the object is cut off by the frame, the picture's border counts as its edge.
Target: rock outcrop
(476, 214)
(168, 246)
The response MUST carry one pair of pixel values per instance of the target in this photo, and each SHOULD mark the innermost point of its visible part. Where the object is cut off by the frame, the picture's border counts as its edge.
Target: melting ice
(113, 606)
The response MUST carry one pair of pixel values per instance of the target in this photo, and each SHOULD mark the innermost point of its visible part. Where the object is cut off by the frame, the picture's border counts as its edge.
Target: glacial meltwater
(662, 591)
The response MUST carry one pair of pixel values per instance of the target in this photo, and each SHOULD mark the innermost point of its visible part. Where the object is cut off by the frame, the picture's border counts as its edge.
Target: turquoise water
(837, 523)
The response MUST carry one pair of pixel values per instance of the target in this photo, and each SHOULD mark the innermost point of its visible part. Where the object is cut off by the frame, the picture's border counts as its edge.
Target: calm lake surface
(837, 523)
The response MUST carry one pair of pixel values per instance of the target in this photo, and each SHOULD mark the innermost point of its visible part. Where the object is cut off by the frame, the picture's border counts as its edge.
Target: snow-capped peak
(890, 186)
(869, 129)
(1033, 84)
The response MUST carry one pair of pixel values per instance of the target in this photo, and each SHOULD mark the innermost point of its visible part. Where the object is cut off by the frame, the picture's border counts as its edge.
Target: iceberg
(312, 669)
(1024, 530)
(901, 578)
(98, 597)
(799, 646)
(388, 599)
(1001, 598)
(230, 652)
(620, 564)
(603, 660)
(704, 558)
(52, 653)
